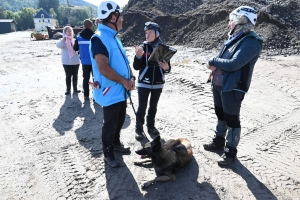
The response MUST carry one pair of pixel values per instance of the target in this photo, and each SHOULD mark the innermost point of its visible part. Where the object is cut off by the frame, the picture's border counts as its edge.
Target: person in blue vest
(82, 43)
(232, 71)
(113, 74)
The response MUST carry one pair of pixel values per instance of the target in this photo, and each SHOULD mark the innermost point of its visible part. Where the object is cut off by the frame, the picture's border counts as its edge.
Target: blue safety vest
(110, 92)
(84, 52)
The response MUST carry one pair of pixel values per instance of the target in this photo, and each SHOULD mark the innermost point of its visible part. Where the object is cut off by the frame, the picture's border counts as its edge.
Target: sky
(121, 3)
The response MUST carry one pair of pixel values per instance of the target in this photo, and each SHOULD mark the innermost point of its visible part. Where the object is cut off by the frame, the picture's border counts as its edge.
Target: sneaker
(225, 160)
(217, 143)
(152, 130)
(121, 148)
(112, 161)
(86, 98)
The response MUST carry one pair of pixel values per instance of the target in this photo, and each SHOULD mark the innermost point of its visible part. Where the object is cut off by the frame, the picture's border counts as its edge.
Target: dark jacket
(150, 74)
(82, 45)
(238, 68)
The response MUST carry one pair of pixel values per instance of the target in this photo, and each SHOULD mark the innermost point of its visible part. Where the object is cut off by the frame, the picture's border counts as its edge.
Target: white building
(43, 19)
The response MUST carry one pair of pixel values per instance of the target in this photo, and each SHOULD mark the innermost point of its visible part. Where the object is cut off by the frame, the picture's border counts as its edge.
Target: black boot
(152, 130)
(67, 92)
(228, 156)
(109, 157)
(217, 143)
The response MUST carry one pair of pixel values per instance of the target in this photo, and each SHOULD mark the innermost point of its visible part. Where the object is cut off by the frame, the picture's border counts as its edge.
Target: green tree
(25, 20)
(2, 13)
(78, 14)
(48, 4)
(52, 12)
(63, 14)
(10, 15)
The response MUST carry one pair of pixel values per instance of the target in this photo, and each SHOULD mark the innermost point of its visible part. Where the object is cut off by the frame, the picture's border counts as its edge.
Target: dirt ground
(51, 143)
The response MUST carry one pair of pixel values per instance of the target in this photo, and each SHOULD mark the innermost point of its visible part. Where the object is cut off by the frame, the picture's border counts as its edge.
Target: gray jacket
(65, 55)
(238, 69)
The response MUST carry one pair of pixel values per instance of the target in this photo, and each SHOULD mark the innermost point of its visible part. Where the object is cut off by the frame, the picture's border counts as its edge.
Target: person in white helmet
(232, 71)
(112, 71)
(150, 81)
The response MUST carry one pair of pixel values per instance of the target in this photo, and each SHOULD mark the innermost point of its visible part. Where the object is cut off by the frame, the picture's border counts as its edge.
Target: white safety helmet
(107, 7)
(247, 11)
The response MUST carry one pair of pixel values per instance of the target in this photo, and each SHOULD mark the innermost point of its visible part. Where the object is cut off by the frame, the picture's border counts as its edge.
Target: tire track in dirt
(64, 169)
(277, 177)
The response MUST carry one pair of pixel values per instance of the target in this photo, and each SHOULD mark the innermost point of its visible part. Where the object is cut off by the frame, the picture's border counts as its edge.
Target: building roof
(7, 20)
(44, 12)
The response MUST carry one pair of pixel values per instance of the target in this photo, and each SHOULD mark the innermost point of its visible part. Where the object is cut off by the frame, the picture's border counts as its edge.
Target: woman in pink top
(69, 58)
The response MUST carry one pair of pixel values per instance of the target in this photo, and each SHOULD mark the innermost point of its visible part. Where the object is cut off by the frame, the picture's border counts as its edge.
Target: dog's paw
(137, 163)
(145, 185)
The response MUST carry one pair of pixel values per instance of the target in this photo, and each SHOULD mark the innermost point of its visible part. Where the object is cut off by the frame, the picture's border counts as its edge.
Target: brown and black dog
(166, 158)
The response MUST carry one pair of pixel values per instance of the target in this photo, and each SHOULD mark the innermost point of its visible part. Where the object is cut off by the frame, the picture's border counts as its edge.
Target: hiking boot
(112, 161)
(121, 148)
(217, 143)
(152, 130)
(225, 160)
(67, 92)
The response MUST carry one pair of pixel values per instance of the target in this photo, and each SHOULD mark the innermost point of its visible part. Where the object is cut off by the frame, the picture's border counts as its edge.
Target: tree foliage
(2, 13)
(48, 4)
(25, 20)
(17, 5)
(65, 13)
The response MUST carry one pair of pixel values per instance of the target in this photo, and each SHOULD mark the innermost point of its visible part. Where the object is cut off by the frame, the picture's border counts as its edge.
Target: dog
(166, 157)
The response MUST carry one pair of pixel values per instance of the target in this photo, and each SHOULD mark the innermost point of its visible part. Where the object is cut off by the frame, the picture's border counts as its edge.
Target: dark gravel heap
(203, 24)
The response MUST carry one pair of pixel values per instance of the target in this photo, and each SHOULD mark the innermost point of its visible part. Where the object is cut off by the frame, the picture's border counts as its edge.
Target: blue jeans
(228, 106)
(113, 120)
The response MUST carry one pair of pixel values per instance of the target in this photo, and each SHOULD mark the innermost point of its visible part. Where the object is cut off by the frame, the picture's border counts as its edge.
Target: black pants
(228, 106)
(71, 74)
(113, 117)
(143, 94)
(86, 74)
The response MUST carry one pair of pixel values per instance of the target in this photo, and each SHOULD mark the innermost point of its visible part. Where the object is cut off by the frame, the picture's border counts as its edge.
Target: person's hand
(163, 64)
(64, 39)
(139, 51)
(129, 84)
(210, 67)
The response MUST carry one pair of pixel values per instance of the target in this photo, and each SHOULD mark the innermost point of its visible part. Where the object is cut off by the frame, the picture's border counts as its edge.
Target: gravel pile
(203, 24)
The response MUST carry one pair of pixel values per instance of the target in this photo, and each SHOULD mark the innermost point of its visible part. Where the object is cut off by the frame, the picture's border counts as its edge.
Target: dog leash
(136, 116)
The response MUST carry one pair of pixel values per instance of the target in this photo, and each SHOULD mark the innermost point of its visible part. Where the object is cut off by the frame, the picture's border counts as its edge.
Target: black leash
(137, 117)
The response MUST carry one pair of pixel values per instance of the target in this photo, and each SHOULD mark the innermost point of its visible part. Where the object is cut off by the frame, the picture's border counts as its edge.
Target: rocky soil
(203, 24)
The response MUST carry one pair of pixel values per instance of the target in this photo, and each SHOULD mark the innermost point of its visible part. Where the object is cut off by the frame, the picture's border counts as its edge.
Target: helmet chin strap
(232, 31)
(115, 23)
